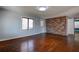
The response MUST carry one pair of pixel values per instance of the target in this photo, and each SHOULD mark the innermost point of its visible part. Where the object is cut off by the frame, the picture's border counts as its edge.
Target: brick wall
(56, 25)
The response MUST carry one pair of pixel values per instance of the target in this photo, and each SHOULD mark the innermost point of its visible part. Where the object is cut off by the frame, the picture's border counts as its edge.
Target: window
(27, 23)
(30, 23)
(42, 23)
(76, 24)
(24, 23)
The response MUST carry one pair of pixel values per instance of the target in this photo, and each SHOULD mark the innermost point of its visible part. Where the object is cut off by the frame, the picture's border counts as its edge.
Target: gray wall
(11, 26)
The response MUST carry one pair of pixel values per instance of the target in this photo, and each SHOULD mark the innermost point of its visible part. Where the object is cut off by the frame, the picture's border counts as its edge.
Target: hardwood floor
(40, 43)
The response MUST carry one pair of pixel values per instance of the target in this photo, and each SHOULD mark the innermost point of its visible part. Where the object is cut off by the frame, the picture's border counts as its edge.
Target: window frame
(28, 26)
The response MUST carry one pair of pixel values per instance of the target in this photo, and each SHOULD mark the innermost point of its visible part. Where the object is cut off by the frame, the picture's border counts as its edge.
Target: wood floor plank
(40, 43)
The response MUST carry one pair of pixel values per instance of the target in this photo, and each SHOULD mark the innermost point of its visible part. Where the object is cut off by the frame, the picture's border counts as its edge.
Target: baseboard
(70, 35)
(29, 35)
(56, 34)
(18, 37)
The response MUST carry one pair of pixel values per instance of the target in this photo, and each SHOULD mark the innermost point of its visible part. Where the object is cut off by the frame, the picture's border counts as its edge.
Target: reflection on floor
(77, 40)
(77, 36)
(40, 43)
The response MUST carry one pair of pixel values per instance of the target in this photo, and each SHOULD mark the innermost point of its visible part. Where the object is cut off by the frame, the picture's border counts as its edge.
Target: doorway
(76, 29)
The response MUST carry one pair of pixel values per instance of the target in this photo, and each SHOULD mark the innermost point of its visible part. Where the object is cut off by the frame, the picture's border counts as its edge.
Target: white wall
(11, 26)
(70, 26)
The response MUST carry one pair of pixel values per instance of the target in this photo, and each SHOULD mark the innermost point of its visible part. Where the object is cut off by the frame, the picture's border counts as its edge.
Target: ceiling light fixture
(42, 8)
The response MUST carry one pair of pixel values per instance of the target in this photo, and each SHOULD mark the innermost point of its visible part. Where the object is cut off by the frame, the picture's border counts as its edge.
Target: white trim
(18, 37)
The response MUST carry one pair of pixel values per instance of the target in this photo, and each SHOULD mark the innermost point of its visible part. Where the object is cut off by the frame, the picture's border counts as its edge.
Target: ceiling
(52, 11)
